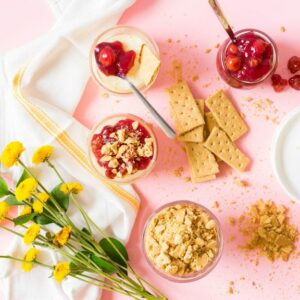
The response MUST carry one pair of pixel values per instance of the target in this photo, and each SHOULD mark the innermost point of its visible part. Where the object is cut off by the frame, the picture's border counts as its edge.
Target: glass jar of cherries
(249, 60)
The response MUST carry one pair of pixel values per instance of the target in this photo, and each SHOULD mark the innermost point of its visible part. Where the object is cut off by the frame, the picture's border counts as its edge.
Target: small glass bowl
(111, 35)
(225, 73)
(112, 120)
(196, 275)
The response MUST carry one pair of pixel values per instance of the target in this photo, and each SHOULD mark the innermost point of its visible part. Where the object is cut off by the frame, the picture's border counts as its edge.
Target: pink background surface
(193, 28)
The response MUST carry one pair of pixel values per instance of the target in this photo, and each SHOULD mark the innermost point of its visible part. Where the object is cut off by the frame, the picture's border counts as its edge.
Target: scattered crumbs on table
(178, 172)
(239, 182)
(216, 204)
(282, 29)
(195, 77)
(249, 99)
(208, 50)
(217, 45)
(231, 238)
(231, 288)
(169, 40)
(187, 179)
(206, 85)
(105, 95)
(178, 41)
(231, 221)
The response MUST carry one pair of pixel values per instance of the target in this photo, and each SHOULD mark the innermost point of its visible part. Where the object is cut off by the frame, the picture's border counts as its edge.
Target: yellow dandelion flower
(25, 189)
(41, 154)
(43, 197)
(11, 154)
(62, 236)
(38, 206)
(71, 187)
(29, 257)
(4, 209)
(31, 234)
(26, 211)
(61, 271)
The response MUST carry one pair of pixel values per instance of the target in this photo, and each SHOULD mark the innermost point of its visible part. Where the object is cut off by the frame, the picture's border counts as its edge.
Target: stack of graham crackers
(208, 136)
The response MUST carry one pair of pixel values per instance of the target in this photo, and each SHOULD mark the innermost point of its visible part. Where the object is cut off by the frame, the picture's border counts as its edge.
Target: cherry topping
(233, 49)
(233, 63)
(112, 59)
(294, 82)
(278, 83)
(106, 56)
(259, 47)
(294, 64)
(126, 62)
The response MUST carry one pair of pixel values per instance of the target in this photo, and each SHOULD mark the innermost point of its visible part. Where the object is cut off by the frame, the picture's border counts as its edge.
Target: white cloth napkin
(39, 111)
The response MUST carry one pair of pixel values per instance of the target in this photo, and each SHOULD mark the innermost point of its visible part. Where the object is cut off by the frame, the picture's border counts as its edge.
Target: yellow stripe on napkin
(65, 140)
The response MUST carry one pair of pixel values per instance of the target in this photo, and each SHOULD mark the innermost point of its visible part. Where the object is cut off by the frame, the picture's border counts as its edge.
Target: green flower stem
(22, 260)
(95, 284)
(11, 231)
(82, 212)
(54, 169)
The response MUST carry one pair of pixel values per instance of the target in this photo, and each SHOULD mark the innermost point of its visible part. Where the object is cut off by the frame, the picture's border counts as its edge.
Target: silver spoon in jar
(218, 11)
(168, 130)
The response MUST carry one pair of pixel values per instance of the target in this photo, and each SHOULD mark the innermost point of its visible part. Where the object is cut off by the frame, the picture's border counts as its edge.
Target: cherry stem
(218, 11)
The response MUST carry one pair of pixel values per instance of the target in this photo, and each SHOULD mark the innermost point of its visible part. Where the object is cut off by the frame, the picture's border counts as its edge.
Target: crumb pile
(269, 230)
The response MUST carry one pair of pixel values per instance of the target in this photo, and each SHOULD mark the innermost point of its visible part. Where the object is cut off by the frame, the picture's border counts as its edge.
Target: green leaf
(62, 199)
(3, 188)
(106, 245)
(24, 176)
(12, 201)
(24, 219)
(103, 264)
(43, 220)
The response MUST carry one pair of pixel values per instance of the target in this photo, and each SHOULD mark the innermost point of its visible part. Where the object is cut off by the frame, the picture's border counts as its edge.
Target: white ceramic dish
(286, 154)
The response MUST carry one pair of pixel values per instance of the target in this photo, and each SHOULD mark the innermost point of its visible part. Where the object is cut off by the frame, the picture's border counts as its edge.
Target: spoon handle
(161, 122)
(218, 11)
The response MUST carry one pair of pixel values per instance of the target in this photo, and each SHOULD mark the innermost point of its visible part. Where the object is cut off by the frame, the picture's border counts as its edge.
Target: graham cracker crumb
(178, 172)
(195, 78)
(187, 179)
(216, 204)
(241, 183)
(105, 95)
(282, 29)
(208, 50)
(231, 221)
(249, 99)
(217, 45)
(169, 40)
(269, 231)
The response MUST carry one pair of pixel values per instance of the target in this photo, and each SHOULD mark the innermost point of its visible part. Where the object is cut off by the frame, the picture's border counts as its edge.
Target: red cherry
(294, 82)
(233, 49)
(106, 56)
(278, 83)
(254, 62)
(294, 64)
(233, 63)
(259, 46)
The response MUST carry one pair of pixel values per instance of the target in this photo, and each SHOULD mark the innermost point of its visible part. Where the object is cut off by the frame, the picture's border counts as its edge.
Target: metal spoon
(160, 120)
(218, 11)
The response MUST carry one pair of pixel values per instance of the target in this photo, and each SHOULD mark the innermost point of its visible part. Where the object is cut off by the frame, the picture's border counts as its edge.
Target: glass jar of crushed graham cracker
(182, 241)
